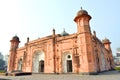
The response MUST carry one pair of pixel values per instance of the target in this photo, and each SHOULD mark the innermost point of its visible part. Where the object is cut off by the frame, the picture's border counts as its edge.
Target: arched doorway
(38, 62)
(20, 64)
(67, 63)
(41, 66)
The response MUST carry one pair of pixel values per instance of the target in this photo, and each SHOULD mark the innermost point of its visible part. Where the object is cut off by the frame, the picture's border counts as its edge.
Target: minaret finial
(53, 32)
(53, 29)
(94, 33)
(27, 39)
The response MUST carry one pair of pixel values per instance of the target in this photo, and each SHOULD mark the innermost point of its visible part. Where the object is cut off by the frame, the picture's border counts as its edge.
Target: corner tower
(107, 43)
(82, 19)
(14, 45)
(84, 43)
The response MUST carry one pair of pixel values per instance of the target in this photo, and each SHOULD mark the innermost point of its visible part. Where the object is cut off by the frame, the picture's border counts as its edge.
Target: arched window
(20, 64)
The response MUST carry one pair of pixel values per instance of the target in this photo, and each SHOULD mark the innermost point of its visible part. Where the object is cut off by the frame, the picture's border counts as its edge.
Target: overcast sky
(37, 18)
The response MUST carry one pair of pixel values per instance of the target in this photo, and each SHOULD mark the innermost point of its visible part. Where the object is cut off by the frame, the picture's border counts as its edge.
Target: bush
(2, 71)
(117, 68)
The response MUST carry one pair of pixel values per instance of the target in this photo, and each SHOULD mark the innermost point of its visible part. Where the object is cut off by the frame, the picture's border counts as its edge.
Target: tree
(2, 63)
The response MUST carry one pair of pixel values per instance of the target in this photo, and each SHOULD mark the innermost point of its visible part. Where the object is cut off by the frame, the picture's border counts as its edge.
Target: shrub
(2, 71)
(117, 68)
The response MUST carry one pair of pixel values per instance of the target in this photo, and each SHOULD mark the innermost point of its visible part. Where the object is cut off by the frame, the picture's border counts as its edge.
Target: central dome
(64, 33)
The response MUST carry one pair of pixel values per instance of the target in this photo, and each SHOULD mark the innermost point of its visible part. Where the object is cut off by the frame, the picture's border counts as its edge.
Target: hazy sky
(37, 18)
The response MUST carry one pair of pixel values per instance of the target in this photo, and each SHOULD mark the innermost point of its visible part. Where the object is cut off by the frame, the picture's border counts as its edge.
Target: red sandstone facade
(81, 52)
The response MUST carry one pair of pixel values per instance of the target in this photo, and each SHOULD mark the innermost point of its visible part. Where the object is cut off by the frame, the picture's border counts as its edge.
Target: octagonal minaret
(84, 43)
(14, 45)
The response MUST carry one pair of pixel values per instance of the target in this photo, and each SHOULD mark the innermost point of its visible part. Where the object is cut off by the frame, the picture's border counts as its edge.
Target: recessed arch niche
(67, 62)
(38, 62)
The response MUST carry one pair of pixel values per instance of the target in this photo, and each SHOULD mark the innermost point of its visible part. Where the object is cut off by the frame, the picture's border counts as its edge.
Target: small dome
(81, 12)
(106, 40)
(64, 33)
(15, 38)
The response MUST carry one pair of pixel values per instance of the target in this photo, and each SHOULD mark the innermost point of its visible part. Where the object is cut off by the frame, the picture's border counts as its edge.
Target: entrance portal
(38, 62)
(67, 62)
(69, 65)
(41, 66)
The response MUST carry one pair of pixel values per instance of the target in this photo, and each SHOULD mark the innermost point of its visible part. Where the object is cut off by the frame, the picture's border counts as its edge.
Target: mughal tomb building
(81, 52)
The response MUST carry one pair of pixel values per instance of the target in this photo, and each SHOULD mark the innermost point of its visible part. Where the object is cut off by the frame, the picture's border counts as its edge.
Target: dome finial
(64, 29)
(81, 7)
(16, 34)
